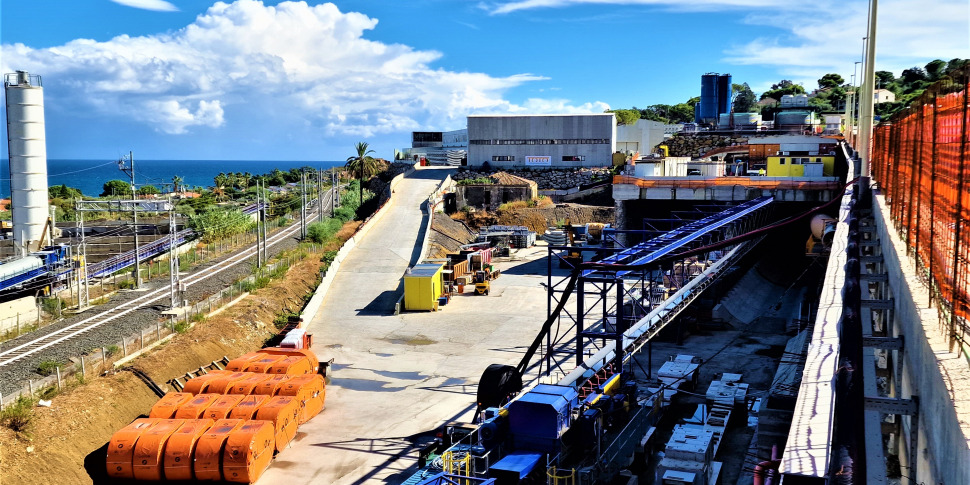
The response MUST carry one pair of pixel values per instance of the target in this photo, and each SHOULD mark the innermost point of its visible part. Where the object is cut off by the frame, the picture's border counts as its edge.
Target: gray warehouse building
(541, 141)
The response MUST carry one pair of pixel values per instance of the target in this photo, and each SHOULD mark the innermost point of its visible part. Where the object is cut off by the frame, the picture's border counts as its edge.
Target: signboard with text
(538, 161)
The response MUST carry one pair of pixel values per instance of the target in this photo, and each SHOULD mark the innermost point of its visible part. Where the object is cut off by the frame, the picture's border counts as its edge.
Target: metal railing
(920, 164)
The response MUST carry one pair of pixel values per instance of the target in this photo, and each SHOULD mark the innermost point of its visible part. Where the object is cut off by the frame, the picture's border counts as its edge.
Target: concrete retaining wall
(14, 313)
(316, 301)
(939, 377)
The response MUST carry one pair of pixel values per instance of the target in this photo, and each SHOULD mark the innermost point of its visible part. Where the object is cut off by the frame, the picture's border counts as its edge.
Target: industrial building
(541, 141)
(437, 147)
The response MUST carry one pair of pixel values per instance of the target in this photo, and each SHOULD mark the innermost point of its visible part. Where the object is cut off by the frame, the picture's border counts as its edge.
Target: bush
(476, 181)
(216, 224)
(112, 350)
(51, 306)
(328, 257)
(182, 327)
(18, 416)
(126, 284)
(48, 367)
(344, 214)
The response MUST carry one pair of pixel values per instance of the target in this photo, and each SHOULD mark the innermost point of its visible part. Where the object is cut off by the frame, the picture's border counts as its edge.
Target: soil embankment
(67, 440)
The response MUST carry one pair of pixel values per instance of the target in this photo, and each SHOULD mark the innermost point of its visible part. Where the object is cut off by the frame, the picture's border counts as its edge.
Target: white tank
(28, 159)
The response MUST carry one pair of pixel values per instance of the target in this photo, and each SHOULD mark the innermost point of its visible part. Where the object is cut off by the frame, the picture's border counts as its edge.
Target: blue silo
(707, 111)
(724, 94)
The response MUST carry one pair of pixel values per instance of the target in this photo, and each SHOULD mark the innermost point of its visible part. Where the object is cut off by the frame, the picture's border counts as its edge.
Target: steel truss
(608, 302)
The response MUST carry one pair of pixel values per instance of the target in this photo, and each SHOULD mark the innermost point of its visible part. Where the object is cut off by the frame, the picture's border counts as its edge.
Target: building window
(503, 158)
(781, 161)
(573, 158)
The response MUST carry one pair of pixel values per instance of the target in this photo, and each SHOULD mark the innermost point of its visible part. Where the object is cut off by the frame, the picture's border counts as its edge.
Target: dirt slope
(68, 439)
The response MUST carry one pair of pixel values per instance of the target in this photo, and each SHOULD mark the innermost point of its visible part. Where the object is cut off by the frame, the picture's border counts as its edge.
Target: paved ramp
(399, 376)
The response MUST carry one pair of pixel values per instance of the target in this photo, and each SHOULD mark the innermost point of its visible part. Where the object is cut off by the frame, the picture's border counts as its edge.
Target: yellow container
(422, 287)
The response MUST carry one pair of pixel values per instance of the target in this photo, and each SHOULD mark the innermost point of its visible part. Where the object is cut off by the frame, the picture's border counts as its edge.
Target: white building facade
(542, 141)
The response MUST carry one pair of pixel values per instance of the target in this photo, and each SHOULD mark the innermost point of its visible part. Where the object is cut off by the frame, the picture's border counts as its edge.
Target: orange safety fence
(920, 163)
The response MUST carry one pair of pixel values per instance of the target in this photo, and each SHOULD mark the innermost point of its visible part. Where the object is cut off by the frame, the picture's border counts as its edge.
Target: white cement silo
(28, 159)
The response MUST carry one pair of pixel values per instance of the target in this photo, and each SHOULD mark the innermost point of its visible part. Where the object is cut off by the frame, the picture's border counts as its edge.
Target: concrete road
(400, 376)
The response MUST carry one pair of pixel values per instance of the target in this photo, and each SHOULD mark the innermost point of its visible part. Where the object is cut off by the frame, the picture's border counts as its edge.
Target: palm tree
(363, 164)
(177, 183)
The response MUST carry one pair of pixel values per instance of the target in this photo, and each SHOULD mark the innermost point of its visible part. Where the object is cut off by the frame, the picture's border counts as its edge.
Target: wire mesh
(920, 162)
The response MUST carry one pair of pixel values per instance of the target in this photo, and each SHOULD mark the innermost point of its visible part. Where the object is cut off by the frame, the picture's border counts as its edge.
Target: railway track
(60, 335)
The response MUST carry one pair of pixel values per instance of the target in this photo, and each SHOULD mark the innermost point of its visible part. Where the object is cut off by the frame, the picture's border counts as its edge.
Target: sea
(89, 176)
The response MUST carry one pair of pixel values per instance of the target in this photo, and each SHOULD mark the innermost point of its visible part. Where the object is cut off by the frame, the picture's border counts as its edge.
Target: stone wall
(548, 179)
(696, 145)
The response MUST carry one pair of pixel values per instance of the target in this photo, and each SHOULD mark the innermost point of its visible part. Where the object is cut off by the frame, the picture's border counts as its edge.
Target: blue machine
(515, 467)
(17, 274)
(539, 418)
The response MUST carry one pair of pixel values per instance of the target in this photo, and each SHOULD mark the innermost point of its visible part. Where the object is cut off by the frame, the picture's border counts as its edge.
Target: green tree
(830, 80)
(220, 180)
(935, 69)
(148, 190)
(913, 75)
(745, 99)
(178, 183)
(884, 78)
(118, 188)
(625, 116)
(365, 165)
(63, 192)
(782, 88)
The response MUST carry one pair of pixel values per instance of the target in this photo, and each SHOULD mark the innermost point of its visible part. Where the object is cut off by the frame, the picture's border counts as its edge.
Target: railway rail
(66, 333)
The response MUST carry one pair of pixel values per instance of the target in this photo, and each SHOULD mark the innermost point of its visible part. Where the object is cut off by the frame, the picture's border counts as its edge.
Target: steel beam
(887, 343)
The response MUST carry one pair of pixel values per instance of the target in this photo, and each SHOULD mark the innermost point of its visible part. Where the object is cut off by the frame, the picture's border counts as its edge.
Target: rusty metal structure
(920, 163)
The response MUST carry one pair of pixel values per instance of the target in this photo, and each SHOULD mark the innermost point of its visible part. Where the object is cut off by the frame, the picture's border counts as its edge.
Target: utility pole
(866, 100)
(333, 192)
(173, 262)
(82, 270)
(320, 194)
(259, 255)
(262, 216)
(130, 170)
(302, 204)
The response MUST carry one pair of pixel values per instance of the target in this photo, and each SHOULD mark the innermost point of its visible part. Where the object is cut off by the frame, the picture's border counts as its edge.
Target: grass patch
(182, 327)
(48, 367)
(126, 284)
(48, 393)
(112, 350)
(19, 416)
(198, 317)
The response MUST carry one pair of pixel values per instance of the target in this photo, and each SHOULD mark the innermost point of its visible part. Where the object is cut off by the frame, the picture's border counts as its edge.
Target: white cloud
(157, 5)
(818, 36)
(695, 5)
(910, 32)
(290, 65)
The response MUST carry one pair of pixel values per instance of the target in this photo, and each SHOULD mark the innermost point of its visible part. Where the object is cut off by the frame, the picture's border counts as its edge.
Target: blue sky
(274, 80)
